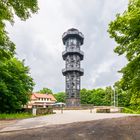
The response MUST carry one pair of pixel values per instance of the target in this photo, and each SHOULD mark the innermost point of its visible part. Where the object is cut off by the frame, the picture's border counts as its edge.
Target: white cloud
(38, 41)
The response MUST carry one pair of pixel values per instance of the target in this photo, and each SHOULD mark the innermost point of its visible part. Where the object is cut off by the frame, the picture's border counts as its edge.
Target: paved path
(68, 116)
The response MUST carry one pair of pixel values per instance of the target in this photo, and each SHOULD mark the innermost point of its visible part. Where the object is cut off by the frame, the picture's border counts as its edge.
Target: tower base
(73, 102)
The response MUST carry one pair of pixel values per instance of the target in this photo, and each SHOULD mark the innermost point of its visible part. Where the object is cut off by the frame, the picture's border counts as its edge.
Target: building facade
(41, 100)
(72, 55)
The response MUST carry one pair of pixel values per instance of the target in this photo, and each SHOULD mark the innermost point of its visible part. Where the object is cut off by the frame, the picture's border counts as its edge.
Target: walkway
(68, 116)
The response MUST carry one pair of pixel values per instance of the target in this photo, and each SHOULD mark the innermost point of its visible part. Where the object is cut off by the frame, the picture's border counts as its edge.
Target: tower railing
(72, 32)
(72, 51)
(73, 69)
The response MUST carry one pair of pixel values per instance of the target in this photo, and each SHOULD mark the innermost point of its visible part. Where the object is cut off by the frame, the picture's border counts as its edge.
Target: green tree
(15, 85)
(60, 96)
(97, 97)
(124, 97)
(15, 81)
(9, 8)
(125, 29)
(131, 81)
(107, 98)
(85, 96)
(45, 91)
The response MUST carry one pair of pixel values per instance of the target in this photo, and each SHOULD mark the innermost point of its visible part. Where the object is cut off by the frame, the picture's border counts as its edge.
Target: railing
(73, 50)
(73, 69)
(72, 32)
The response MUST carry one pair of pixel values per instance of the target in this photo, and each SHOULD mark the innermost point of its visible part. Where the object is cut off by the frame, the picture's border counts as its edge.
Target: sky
(39, 41)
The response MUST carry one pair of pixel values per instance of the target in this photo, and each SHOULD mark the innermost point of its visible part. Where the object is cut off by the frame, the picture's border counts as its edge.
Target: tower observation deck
(72, 55)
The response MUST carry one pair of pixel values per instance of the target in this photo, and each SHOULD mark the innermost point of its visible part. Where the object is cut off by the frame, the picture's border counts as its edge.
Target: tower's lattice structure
(72, 39)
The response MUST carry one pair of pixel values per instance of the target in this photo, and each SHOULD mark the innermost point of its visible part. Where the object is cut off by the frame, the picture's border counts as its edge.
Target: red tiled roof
(38, 95)
(33, 97)
(52, 97)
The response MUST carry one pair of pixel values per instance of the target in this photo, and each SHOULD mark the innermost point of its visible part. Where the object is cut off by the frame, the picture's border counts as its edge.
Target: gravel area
(123, 128)
(68, 116)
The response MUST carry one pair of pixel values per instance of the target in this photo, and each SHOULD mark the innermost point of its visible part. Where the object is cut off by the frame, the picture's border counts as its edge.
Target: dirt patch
(126, 128)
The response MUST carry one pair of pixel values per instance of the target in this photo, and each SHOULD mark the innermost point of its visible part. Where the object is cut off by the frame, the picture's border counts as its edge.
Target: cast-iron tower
(72, 39)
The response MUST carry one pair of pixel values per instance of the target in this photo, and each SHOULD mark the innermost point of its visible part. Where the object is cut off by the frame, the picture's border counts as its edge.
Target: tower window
(72, 95)
(72, 42)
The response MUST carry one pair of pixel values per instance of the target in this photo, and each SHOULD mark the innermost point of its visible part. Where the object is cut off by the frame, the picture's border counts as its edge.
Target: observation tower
(72, 39)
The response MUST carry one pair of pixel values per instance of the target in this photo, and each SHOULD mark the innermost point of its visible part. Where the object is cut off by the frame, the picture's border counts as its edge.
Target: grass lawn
(15, 116)
(128, 110)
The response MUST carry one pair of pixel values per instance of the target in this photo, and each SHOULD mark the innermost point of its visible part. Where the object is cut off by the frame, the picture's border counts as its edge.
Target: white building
(41, 100)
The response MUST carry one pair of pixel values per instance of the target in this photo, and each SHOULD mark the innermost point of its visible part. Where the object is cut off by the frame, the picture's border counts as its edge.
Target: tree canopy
(45, 91)
(97, 97)
(8, 9)
(15, 81)
(60, 97)
(15, 85)
(125, 29)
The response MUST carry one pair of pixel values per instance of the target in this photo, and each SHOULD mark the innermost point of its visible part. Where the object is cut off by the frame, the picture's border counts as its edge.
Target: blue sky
(39, 41)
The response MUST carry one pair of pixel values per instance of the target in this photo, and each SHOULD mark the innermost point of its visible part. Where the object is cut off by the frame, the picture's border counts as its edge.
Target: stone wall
(43, 111)
(102, 110)
(40, 111)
